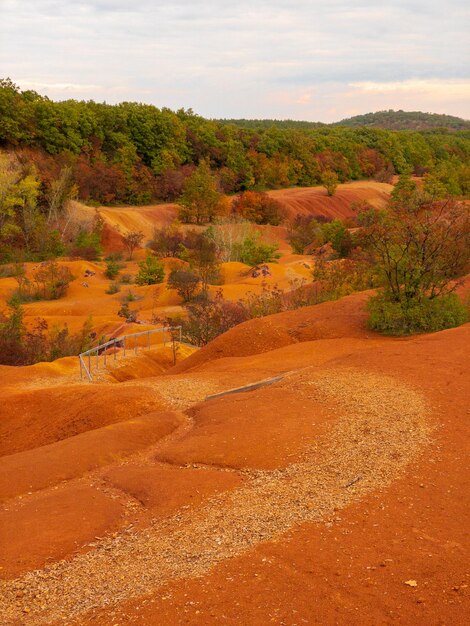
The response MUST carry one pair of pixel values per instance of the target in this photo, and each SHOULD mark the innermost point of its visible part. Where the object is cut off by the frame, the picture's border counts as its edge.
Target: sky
(303, 59)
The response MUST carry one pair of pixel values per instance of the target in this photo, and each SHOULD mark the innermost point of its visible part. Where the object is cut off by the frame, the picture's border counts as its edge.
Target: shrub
(254, 252)
(167, 241)
(125, 311)
(129, 296)
(12, 271)
(112, 269)
(185, 282)
(87, 244)
(113, 288)
(19, 346)
(257, 207)
(418, 316)
(50, 282)
(208, 317)
(126, 279)
(303, 232)
(151, 271)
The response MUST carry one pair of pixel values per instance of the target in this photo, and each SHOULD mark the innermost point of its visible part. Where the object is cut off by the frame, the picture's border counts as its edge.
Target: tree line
(135, 153)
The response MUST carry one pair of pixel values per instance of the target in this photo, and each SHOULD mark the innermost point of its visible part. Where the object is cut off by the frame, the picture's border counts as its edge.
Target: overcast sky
(303, 59)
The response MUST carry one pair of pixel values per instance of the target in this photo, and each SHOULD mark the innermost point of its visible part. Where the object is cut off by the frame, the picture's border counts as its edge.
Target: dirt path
(380, 428)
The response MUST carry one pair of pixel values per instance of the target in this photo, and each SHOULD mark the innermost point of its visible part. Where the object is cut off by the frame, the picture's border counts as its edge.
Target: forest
(133, 153)
(136, 153)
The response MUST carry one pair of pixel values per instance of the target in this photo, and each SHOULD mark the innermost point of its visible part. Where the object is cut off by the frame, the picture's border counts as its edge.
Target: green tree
(185, 282)
(336, 233)
(151, 271)
(330, 180)
(254, 252)
(420, 251)
(201, 201)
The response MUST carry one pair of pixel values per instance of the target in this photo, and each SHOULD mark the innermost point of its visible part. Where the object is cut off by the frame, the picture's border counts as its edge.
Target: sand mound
(313, 201)
(37, 417)
(329, 320)
(63, 460)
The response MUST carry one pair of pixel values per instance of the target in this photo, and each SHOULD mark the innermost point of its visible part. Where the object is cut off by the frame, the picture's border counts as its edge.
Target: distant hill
(405, 120)
(389, 120)
(266, 123)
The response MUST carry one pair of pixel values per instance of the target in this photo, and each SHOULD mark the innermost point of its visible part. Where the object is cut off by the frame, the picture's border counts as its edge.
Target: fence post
(115, 348)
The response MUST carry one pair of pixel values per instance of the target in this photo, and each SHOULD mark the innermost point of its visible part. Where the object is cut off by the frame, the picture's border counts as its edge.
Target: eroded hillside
(343, 475)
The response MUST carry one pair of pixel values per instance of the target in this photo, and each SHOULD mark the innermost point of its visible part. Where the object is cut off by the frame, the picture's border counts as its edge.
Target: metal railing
(127, 343)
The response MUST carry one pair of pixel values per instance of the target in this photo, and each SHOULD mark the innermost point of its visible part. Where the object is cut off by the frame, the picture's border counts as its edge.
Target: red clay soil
(360, 568)
(49, 465)
(36, 417)
(322, 321)
(53, 526)
(272, 440)
(164, 489)
(314, 201)
(398, 553)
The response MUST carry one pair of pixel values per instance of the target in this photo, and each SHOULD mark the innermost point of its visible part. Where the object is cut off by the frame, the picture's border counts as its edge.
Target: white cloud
(269, 58)
(439, 88)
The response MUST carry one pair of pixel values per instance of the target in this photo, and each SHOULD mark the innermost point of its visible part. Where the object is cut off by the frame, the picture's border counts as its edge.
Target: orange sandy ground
(87, 295)
(82, 461)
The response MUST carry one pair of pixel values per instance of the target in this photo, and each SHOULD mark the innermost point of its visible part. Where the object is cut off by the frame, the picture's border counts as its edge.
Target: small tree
(201, 201)
(304, 231)
(151, 271)
(167, 241)
(185, 282)
(330, 180)
(209, 317)
(257, 207)
(420, 251)
(132, 241)
(254, 252)
(201, 253)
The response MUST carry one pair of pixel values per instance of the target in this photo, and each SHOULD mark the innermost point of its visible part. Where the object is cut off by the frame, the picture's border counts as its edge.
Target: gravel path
(381, 427)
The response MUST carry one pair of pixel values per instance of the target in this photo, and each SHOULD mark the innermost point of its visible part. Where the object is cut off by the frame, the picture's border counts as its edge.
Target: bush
(12, 271)
(87, 244)
(167, 241)
(208, 317)
(419, 316)
(126, 279)
(19, 346)
(257, 207)
(254, 252)
(127, 313)
(151, 271)
(112, 269)
(129, 297)
(185, 282)
(113, 288)
(50, 282)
